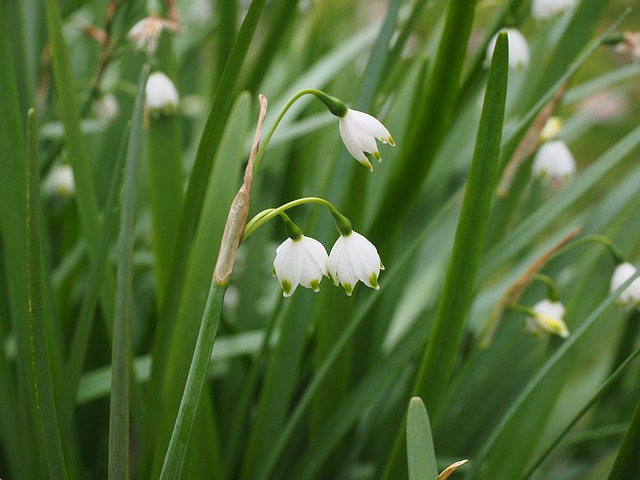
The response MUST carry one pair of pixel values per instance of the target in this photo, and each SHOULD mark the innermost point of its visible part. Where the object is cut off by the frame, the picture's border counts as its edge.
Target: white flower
(60, 181)
(630, 45)
(146, 32)
(162, 96)
(300, 262)
(547, 319)
(630, 297)
(354, 258)
(554, 163)
(518, 49)
(359, 131)
(546, 9)
(106, 108)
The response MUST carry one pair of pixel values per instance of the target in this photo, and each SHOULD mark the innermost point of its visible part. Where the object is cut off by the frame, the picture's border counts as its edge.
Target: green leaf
(119, 434)
(421, 455)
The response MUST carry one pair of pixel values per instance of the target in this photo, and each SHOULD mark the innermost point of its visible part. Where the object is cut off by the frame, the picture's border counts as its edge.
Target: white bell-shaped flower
(353, 258)
(518, 49)
(359, 131)
(547, 319)
(546, 9)
(554, 163)
(60, 181)
(630, 297)
(300, 262)
(106, 108)
(162, 96)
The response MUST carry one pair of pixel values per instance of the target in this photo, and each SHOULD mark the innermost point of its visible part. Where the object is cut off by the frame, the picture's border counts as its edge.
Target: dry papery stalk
(529, 142)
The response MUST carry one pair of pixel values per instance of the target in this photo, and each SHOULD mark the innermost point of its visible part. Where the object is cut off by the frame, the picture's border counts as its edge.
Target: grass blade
(421, 455)
(46, 408)
(119, 450)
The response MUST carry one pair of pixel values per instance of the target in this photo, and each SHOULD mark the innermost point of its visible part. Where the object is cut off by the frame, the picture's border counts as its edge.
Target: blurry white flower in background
(518, 49)
(353, 258)
(162, 96)
(145, 34)
(106, 108)
(359, 131)
(546, 9)
(551, 129)
(554, 163)
(630, 297)
(547, 319)
(60, 181)
(630, 45)
(300, 262)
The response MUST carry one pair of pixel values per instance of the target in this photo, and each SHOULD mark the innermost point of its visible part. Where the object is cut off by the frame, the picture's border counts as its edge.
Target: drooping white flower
(630, 297)
(300, 262)
(547, 319)
(60, 181)
(146, 32)
(545, 9)
(554, 163)
(353, 258)
(162, 96)
(359, 131)
(106, 108)
(518, 49)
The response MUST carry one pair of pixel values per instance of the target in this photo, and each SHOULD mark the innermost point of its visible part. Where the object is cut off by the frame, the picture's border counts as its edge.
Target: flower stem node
(353, 258)
(359, 132)
(302, 261)
(162, 95)
(630, 297)
(546, 319)
(554, 163)
(518, 49)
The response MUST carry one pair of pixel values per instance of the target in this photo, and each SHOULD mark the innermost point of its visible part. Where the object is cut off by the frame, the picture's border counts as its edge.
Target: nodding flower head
(162, 96)
(60, 181)
(353, 258)
(546, 9)
(518, 49)
(300, 262)
(359, 132)
(547, 319)
(630, 297)
(554, 163)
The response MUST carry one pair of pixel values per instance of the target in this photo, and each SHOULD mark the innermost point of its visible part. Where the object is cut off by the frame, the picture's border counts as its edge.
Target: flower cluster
(304, 261)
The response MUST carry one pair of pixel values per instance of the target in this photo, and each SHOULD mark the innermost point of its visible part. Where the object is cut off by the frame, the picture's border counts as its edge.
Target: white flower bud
(359, 131)
(518, 49)
(548, 319)
(60, 181)
(546, 9)
(300, 262)
(353, 258)
(162, 96)
(554, 163)
(630, 297)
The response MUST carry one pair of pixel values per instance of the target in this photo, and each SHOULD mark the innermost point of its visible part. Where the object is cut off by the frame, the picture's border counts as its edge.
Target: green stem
(616, 253)
(173, 461)
(552, 290)
(266, 215)
(335, 106)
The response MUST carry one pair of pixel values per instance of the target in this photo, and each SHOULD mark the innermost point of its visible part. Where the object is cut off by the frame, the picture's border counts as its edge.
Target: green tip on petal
(273, 271)
(332, 279)
(286, 287)
(367, 164)
(390, 141)
(381, 265)
(377, 155)
(315, 285)
(373, 280)
(348, 289)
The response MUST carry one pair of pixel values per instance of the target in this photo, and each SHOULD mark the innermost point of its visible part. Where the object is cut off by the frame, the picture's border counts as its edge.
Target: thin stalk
(119, 411)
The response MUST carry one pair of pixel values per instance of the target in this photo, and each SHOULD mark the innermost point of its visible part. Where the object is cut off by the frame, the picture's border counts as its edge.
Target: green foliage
(135, 341)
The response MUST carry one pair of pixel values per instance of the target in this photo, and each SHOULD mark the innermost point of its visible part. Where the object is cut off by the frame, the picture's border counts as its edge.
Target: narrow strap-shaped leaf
(421, 455)
(456, 295)
(119, 450)
(626, 462)
(46, 408)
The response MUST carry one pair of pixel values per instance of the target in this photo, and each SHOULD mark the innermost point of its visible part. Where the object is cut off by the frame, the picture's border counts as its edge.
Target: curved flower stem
(266, 215)
(335, 106)
(616, 253)
(552, 290)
